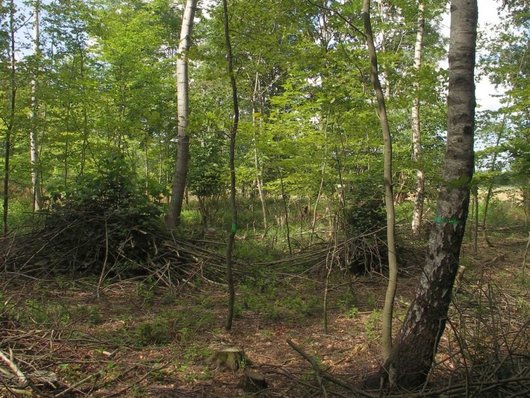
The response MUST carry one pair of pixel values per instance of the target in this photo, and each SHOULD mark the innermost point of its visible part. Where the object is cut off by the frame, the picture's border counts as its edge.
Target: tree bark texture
(183, 140)
(232, 167)
(389, 195)
(412, 356)
(33, 142)
(256, 124)
(11, 122)
(417, 214)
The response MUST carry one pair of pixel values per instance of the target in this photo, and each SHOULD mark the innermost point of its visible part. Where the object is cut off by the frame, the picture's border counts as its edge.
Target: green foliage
(372, 326)
(365, 211)
(265, 296)
(40, 313)
(353, 312)
(87, 313)
(155, 332)
(503, 212)
(205, 177)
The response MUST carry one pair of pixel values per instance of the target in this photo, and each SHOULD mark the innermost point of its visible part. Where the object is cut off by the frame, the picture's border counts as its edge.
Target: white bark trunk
(417, 214)
(424, 324)
(256, 124)
(12, 109)
(33, 141)
(181, 172)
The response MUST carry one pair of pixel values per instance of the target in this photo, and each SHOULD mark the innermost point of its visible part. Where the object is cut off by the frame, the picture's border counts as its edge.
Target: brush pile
(110, 229)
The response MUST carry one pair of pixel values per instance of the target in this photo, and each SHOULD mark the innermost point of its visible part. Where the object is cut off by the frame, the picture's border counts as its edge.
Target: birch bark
(11, 121)
(183, 144)
(417, 214)
(413, 353)
(33, 142)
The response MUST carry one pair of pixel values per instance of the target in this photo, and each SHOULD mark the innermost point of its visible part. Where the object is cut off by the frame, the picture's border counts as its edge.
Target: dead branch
(8, 360)
(322, 374)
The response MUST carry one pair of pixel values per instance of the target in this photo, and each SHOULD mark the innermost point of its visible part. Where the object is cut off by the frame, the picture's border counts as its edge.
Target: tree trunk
(389, 195)
(412, 356)
(256, 124)
(417, 214)
(489, 193)
(183, 143)
(285, 213)
(33, 144)
(11, 122)
(232, 150)
(84, 145)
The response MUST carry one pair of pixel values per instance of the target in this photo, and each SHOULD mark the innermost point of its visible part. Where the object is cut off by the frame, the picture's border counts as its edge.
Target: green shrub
(105, 219)
(155, 332)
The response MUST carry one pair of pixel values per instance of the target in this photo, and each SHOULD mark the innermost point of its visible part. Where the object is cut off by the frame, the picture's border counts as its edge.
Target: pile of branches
(359, 254)
(116, 243)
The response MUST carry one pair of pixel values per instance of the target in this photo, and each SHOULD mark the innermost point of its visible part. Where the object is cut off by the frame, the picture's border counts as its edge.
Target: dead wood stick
(74, 386)
(314, 365)
(145, 376)
(17, 392)
(22, 379)
(323, 374)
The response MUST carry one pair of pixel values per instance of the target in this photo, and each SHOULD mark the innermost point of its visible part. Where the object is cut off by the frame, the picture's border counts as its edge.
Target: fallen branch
(322, 374)
(74, 386)
(145, 376)
(21, 378)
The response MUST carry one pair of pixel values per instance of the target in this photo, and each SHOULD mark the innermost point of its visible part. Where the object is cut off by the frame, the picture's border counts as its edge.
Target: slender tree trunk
(84, 145)
(286, 214)
(412, 356)
(259, 177)
(475, 219)
(489, 193)
(33, 144)
(183, 144)
(232, 150)
(67, 145)
(417, 214)
(321, 186)
(11, 121)
(389, 195)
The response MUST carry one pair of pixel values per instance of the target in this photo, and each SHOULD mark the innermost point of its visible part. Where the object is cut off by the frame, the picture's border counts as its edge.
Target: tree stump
(252, 381)
(230, 358)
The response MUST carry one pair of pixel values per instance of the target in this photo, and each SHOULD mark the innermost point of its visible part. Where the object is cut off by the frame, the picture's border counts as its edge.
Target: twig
(74, 386)
(145, 376)
(314, 365)
(321, 374)
(22, 379)
(104, 266)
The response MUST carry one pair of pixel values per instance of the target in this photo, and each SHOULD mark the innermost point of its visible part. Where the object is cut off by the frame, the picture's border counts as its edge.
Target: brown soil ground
(140, 340)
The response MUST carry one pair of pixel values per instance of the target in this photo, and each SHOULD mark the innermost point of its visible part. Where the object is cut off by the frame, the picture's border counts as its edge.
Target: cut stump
(252, 381)
(230, 358)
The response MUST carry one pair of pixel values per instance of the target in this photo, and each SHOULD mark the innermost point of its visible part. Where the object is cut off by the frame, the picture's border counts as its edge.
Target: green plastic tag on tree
(441, 220)
(234, 228)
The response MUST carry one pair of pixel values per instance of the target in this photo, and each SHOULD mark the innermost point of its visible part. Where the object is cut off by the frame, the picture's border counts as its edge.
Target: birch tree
(417, 213)
(33, 142)
(412, 355)
(10, 122)
(183, 144)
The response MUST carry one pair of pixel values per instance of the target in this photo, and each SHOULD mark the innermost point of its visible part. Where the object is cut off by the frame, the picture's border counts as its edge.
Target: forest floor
(141, 340)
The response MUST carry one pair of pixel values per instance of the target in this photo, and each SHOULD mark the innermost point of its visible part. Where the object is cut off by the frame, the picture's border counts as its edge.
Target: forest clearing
(276, 198)
(145, 336)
